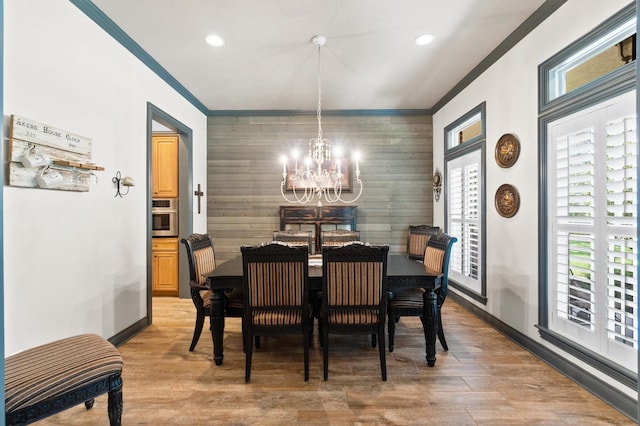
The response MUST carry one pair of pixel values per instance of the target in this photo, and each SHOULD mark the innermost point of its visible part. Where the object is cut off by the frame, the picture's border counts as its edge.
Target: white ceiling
(370, 60)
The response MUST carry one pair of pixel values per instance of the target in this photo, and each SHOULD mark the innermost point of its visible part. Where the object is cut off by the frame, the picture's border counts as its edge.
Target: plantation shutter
(464, 202)
(621, 214)
(592, 212)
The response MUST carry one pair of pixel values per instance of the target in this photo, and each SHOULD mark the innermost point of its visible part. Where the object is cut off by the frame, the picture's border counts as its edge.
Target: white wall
(77, 262)
(510, 89)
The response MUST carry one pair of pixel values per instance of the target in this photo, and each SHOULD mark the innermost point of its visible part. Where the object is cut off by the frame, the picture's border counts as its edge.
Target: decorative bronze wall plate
(507, 150)
(507, 200)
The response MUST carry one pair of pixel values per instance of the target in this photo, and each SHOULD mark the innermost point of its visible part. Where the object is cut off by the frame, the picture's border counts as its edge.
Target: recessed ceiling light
(214, 40)
(424, 39)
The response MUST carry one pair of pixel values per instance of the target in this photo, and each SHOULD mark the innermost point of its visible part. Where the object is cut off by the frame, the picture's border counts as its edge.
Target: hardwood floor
(484, 379)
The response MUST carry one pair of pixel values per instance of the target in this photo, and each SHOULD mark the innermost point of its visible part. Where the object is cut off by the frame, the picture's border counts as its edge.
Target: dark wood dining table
(401, 273)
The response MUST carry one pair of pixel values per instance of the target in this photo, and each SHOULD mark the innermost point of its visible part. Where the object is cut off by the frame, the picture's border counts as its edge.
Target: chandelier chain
(319, 112)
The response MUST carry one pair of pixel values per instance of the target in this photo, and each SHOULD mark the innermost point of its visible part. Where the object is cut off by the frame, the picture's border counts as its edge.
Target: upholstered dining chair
(294, 237)
(275, 282)
(354, 285)
(338, 237)
(409, 302)
(417, 240)
(202, 260)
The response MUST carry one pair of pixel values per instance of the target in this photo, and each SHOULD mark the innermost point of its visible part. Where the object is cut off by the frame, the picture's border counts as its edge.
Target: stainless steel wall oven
(164, 217)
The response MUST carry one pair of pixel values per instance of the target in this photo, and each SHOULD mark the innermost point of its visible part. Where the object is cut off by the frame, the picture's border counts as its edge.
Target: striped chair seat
(354, 317)
(234, 299)
(61, 374)
(205, 295)
(277, 318)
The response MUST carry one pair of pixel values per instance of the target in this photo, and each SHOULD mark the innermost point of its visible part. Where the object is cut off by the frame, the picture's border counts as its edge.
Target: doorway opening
(159, 122)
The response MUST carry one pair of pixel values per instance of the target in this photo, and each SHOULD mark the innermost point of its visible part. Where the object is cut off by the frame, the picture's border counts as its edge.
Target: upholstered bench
(47, 379)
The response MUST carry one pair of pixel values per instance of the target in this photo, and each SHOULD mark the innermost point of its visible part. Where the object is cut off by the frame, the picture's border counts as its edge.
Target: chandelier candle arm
(324, 180)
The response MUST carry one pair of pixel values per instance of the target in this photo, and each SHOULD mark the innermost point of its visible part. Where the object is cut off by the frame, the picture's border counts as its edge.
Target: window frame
(477, 143)
(606, 87)
(452, 150)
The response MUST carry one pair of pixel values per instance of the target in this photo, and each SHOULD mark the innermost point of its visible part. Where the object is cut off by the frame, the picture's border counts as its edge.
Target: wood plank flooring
(484, 379)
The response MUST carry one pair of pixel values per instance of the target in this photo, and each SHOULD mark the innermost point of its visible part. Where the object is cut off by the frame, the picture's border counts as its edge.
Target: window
(469, 129)
(599, 55)
(464, 195)
(588, 211)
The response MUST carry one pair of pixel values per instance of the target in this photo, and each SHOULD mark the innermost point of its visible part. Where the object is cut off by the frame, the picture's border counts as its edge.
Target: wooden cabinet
(318, 218)
(164, 268)
(164, 166)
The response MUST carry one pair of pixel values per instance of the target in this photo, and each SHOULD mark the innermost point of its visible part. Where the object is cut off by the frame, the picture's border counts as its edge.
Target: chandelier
(323, 174)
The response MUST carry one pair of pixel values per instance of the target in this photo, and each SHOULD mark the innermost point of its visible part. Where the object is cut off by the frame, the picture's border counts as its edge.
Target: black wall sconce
(120, 181)
(437, 184)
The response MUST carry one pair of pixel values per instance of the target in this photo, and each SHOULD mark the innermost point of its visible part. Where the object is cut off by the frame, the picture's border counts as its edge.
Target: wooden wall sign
(64, 154)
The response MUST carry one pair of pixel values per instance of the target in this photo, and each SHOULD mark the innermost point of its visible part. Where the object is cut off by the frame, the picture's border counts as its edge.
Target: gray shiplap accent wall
(244, 174)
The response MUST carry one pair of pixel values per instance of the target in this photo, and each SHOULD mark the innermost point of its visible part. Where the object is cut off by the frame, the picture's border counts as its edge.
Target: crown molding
(334, 112)
(536, 18)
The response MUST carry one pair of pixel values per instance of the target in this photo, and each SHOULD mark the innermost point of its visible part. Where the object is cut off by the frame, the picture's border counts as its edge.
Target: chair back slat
(294, 238)
(354, 284)
(418, 239)
(437, 255)
(275, 284)
(338, 237)
(201, 256)
(434, 259)
(205, 262)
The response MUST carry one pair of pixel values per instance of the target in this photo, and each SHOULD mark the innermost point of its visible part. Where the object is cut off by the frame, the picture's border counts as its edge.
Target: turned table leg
(217, 325)
(430, 323)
